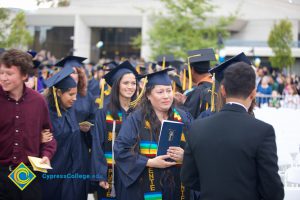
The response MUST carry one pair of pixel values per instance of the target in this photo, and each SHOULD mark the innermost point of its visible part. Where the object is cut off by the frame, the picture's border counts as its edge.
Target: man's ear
(25, 78)
(253, 94)
(223, 92)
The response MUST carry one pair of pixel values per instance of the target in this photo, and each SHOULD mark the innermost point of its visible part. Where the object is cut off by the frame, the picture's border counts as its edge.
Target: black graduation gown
(132, 164)
(99, 163)
(94, 88)
(67, 159)
(196, 99)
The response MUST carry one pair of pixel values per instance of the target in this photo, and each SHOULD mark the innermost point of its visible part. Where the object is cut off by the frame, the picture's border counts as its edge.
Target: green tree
(19, 35)
(184, 26)
(280, 41)
(4, 21)
(54, 3)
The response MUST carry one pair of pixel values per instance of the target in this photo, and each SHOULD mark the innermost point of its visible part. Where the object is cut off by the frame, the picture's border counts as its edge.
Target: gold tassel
(190, 76)
(213, 88)
(35, 83)
(174, 87)
(189, 70)
(184, 80)
(56, 102)
(164, 63)
(138, 69)
(137, 100)
(102, 84)
(206, 106)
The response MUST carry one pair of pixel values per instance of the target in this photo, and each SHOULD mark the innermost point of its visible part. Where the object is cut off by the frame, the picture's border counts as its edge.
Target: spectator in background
(263, 90)
(291, 99)
(280, 81)
(288, 82)
(259, 75)
(275, 100)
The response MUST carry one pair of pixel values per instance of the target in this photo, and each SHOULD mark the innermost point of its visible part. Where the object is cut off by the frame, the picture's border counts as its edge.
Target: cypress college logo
(22, 176)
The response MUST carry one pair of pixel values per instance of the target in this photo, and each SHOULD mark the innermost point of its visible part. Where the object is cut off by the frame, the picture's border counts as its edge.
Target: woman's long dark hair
(149, 114)
(50, 98)
(114, 104)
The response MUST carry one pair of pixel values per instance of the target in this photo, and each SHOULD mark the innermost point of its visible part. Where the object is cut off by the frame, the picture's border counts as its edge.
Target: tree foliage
(54, 3)
(280, 41)
(13, 31)
(4, 23)
(19, 35)
(185, 26)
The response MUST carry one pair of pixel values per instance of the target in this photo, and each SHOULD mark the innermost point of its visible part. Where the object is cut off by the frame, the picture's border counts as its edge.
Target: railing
(284, 101)
(232, 42)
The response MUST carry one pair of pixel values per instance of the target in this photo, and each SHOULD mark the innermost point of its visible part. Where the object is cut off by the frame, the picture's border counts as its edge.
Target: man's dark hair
(239, 80)
(18, 58)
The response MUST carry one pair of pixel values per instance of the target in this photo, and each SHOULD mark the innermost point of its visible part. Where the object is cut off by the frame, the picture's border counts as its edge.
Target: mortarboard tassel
(138, 69)
(164, 63)
(35, 83)
(190, 71)
(190, 75)
(213, 88)
(102, 84)
(113, 191)
(184, 80)
(174, 87)
(56, 102)
(137, 100)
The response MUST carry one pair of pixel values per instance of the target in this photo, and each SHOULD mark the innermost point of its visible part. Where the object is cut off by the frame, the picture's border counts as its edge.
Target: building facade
(80, 27)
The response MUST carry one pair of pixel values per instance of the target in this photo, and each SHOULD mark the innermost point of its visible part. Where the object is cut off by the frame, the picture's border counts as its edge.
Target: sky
(22, 4)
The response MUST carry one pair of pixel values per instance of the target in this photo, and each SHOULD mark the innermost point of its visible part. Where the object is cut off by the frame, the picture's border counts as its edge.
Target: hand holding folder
(170, 135)
(37, 165)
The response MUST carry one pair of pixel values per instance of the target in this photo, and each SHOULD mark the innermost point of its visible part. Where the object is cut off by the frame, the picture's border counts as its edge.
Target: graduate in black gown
(67, 160)
(84, 106)
(217, 73)
(123, 81)
(145, 175)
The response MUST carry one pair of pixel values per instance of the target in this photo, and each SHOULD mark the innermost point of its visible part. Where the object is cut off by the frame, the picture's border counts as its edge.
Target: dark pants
(9, 191)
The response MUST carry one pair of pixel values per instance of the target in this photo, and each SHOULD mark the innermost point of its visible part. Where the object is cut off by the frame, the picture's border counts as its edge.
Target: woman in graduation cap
(84, 106)
(123, 81)
(68, 157)
(144, 175)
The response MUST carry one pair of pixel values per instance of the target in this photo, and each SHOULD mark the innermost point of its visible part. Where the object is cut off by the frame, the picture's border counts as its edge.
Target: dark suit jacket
(232, 156)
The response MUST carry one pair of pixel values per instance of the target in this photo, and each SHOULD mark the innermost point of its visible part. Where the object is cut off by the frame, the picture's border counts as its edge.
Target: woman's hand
(176, 153)
(160, 162)
(85, 128)
(104, 184)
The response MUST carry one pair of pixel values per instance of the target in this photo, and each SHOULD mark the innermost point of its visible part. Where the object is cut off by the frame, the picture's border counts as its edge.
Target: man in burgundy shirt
(24, 116)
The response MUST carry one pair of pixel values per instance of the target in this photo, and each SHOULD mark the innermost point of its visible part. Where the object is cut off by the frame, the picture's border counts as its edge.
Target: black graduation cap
(201, 59)
(32, 53)
(62, 79)
(176, 79)
(71, 61)
(159, 78)
(36, 64)
(178, 64)
(219, 70)
(109, 66)
(119, 71)
(167, 58)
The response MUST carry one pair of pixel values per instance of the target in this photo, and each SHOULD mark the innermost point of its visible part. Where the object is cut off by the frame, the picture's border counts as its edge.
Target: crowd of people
(104, 120)
(277, 90)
